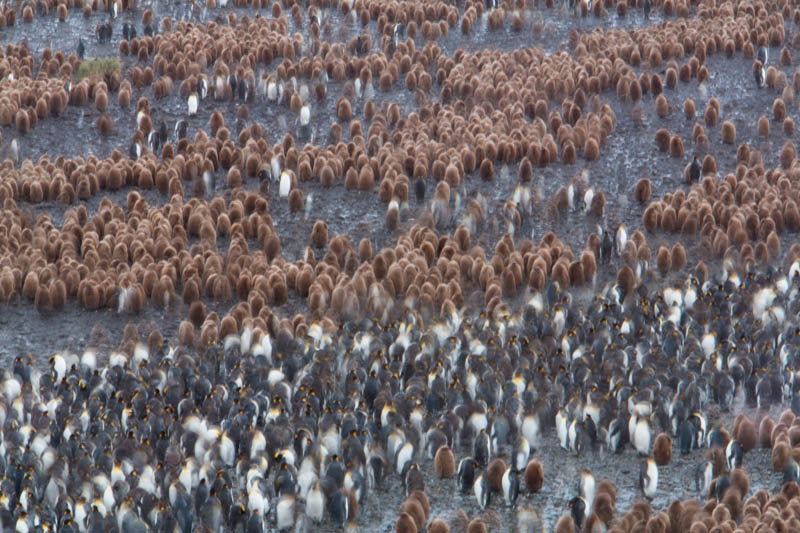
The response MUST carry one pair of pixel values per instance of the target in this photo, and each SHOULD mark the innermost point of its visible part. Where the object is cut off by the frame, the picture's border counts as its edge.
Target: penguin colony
(441, 350)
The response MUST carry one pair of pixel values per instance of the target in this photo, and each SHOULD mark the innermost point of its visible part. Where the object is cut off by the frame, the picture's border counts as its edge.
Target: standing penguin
(511, 485)
(733, 455)
(641, 435)
(522, 454)
(191, 104)
(181, 129)
(606, 247)
(285, 512)
(482, 490)
(339, 508)
(703, 477)
(760, 75)
(648, 478)
(419, 190)
(576, 437)
(763, 55)
(304, 121)
(620, 239)
(466, 473)
(562, 425)
(587, 488)
(687, 437)
(578, 509)
(694, 170)
(285, 184)
(482, 448)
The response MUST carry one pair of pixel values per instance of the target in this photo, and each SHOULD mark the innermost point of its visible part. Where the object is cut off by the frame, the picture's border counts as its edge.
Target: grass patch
(100, 67)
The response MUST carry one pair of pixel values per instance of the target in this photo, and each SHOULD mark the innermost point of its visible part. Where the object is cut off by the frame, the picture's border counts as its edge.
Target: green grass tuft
(100, 67)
